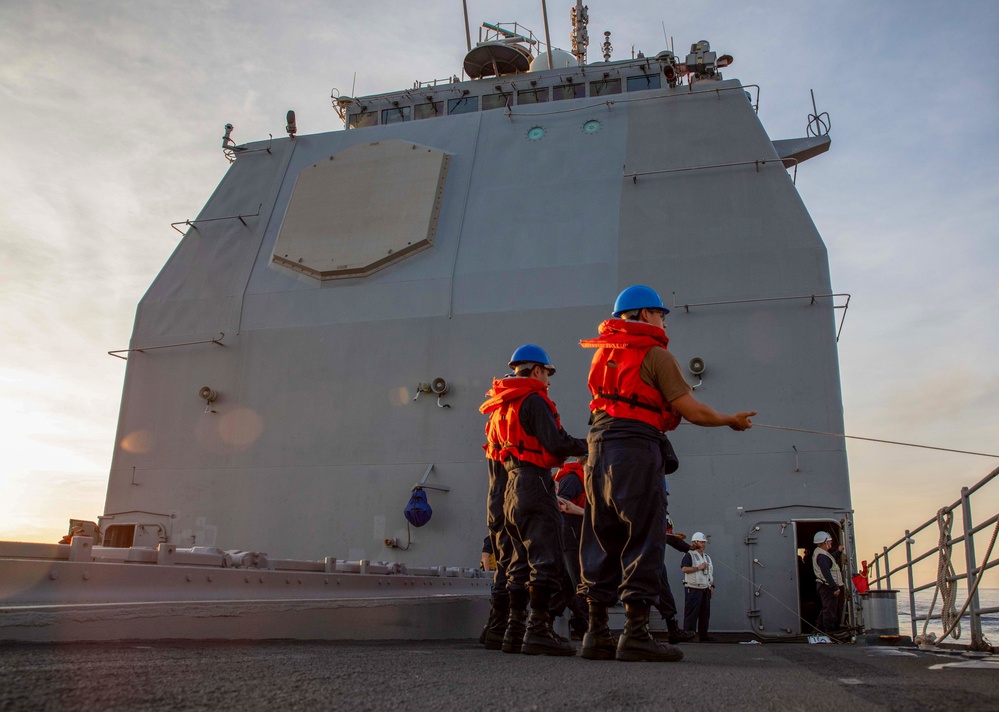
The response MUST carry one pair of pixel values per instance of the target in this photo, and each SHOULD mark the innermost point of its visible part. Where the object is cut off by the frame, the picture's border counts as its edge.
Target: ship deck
(460, 675)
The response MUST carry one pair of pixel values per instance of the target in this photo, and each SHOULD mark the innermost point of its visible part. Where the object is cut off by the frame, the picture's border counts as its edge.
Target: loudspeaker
(208, 394)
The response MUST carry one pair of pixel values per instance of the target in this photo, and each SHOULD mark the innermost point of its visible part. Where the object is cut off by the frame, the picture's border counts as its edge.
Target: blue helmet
(531, 353)
(637, 297)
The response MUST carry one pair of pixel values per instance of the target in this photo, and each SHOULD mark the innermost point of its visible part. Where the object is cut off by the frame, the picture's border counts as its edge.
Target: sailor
(488, 559)
(667, 604)
(525, 435)
(571, 501)
(828, 581)
(502, 549)
(698, 587)
(638, 394)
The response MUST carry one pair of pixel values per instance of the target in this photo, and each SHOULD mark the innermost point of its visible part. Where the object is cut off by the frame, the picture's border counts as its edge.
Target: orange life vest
(573, 468)
(505, 436)
(615, 380)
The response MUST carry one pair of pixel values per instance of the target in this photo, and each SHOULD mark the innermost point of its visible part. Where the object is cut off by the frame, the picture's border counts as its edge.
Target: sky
(111, 117)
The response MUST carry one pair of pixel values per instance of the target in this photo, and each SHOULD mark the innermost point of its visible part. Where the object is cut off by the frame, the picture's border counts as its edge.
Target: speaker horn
(208, 394)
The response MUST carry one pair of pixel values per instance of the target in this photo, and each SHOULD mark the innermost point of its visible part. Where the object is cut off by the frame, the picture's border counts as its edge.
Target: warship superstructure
(320, 341)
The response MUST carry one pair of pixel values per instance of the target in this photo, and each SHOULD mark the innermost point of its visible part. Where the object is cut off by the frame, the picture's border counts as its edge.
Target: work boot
(577, 628)
(540, 639)
(598, 643)
(676, 635)
(637, 644)
(516, 623)
(492, 634)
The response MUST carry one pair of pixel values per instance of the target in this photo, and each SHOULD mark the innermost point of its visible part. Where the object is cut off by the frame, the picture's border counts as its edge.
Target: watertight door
(773, 579)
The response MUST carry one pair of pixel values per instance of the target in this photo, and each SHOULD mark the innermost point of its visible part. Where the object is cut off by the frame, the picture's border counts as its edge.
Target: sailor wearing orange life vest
(495, 628)
(638, 394)
(525, 434)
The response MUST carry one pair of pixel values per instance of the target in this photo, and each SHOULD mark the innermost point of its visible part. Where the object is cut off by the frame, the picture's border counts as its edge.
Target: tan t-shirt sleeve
(661, 370)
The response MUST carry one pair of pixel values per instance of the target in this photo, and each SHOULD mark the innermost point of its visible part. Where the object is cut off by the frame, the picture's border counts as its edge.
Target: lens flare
(138, 442)
(241, 427)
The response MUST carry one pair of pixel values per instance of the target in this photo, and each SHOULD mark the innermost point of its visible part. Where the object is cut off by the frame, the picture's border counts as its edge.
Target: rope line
(979, 644)
(947, 590)
(873, 440)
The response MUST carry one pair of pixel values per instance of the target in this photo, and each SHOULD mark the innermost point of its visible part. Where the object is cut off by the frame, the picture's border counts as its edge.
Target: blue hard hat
(531, 353)
(637, 297)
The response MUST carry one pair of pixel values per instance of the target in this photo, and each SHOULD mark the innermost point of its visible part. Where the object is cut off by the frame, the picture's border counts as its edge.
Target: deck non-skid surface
(460, 675)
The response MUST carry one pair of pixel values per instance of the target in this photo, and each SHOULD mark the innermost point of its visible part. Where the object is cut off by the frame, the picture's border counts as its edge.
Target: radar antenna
(580, 16)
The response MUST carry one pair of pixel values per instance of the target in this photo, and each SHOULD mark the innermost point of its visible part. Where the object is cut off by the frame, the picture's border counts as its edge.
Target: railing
(946, 580)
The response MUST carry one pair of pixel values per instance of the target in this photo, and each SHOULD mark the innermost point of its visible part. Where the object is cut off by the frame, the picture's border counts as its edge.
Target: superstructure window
(396, 115)
(496, 101)
(643, 81)
(464, 105)
(605, 87)
(568, 91)
(532, 96)
(363, 119)
(428, 111)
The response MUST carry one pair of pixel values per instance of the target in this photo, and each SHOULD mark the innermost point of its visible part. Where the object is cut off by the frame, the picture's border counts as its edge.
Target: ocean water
(987, 598)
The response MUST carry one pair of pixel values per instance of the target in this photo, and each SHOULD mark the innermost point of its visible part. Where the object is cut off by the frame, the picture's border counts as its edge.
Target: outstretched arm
(704, 415)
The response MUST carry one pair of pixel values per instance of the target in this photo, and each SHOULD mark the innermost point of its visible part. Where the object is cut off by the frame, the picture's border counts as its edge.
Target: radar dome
(560, 60)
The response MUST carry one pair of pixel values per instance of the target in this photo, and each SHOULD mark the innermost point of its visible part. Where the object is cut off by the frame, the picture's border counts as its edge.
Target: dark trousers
(496, 523)
(667, 604)
(623, 540)
(696, 610)
(567, 596)
(828, 618)
(534, 525)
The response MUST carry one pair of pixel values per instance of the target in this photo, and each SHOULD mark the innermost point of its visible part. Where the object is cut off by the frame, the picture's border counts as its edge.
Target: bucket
(860, 583)
(880, 612)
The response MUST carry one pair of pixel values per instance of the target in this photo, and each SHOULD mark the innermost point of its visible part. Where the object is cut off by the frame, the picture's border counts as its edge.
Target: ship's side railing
(972, 570)
(81, 549)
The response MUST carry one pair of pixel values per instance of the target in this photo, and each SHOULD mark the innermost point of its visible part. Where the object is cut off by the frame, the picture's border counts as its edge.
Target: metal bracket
(422, 484)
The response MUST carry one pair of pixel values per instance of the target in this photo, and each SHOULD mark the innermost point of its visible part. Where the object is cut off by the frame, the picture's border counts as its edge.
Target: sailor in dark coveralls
(638, 394)
(525, 435)
(667, 604)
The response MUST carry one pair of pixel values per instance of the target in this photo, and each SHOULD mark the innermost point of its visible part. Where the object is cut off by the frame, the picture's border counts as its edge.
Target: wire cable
(873, 440)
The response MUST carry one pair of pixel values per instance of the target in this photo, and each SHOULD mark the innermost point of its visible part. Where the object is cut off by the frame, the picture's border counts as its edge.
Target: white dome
(560, 60)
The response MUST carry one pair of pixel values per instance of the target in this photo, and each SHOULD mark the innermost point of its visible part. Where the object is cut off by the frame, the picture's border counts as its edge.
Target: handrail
(971, 490)
(811, 297)
(191, 223)
(972, 569)
(217, 342)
